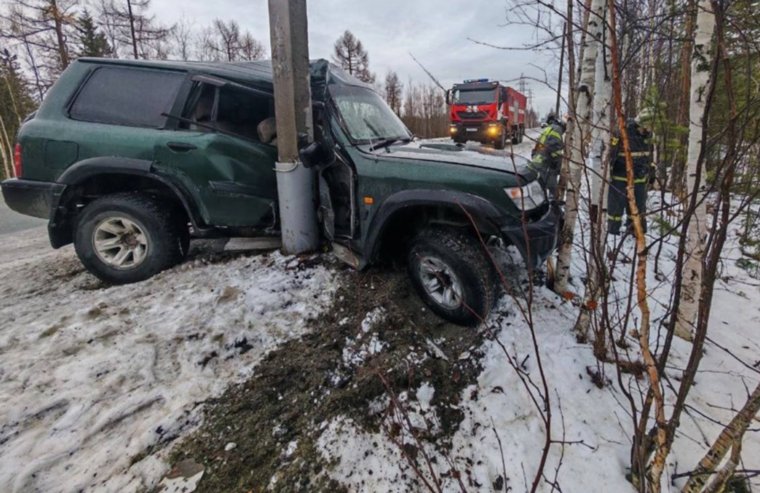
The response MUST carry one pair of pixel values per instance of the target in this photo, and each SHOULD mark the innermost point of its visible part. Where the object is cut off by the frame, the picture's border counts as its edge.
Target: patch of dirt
(307, 382)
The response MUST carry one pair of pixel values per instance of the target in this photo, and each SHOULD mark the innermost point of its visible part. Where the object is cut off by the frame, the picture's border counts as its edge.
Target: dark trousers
(548, 174)
(617, 202)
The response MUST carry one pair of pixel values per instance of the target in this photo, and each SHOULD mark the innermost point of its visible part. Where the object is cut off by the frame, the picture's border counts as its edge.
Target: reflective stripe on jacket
(641, 150)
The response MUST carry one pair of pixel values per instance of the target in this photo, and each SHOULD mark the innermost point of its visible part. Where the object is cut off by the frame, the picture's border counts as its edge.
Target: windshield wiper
(382, 143)
(387, 142)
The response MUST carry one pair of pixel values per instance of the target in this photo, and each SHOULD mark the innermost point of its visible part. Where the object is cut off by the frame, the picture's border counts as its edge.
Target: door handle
(180, 146)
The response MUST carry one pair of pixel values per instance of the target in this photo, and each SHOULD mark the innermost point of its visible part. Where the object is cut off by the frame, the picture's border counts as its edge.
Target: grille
(476, 115)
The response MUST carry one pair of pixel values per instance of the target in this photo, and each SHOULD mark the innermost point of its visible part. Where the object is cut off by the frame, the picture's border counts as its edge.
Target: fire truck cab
(487, 112)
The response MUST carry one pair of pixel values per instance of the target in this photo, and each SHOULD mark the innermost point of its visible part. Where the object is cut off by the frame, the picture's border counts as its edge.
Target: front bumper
(474, 131)
(30, 197)
(535, 239)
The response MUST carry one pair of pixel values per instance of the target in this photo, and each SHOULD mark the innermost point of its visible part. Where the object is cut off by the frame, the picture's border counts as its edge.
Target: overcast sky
(435, 31)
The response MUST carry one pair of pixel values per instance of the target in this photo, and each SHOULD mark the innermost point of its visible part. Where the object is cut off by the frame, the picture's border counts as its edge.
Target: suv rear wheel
(129, 237)
(452, 275)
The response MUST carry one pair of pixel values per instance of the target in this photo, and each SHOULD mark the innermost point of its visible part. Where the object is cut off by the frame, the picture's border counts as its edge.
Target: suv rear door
(213, 149)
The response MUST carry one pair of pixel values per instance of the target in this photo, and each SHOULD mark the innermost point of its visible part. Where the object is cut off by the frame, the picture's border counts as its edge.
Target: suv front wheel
(129, 237)
(452, 275)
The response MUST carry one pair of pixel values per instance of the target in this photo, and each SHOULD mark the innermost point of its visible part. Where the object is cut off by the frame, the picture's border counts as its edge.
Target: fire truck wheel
(501, 142)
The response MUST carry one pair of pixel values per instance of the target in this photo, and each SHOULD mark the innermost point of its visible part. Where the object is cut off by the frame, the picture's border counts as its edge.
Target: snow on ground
(97, 381)
(594, 422)
(94, 380)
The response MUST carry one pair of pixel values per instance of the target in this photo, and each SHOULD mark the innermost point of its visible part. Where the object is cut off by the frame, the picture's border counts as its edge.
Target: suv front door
(214, 151)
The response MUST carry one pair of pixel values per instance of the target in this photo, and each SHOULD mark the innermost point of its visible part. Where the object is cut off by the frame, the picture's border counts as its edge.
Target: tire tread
(470, 252)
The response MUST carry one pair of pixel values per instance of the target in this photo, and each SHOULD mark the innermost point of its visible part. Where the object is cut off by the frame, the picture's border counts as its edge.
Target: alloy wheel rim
(120, 242)
(440, 282)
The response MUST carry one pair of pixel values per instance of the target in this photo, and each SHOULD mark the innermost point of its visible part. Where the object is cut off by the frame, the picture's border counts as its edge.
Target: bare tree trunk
(582, 117)
(572, 77)
(697, 230)
(132, 29)
(12, 97)
(660, 444)
(35, 68)
(677, 178)
(704, 477)
(63, 52)
(598, 163)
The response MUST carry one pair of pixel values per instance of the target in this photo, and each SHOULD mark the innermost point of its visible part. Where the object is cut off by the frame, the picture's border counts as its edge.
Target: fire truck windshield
(474, 96)
(366, 115)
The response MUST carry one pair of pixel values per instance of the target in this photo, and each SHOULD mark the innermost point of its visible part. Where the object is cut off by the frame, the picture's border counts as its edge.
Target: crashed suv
(130, 159)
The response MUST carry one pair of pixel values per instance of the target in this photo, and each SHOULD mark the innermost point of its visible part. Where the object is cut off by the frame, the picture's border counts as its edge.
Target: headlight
(453, 129)
(527, 197)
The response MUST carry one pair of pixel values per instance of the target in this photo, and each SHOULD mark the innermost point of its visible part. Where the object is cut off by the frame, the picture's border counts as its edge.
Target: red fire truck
(486, 111)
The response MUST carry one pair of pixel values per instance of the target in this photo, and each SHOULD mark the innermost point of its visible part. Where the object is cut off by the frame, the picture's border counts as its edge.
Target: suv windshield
(474, 96)
(367, 117)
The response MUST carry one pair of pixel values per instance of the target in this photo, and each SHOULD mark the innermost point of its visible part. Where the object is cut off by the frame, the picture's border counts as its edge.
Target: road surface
(12, 222)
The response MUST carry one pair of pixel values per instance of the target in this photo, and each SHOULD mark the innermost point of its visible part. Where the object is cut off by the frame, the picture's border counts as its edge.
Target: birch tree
(707, 477)
(695, 184)
(581, 130)
(598, 171)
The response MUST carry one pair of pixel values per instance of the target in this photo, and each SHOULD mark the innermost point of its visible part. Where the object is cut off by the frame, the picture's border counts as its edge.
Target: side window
(228, 109)
(127, 96)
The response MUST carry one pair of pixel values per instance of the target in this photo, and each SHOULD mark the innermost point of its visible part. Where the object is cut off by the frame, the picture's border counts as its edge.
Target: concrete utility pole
(292, 107)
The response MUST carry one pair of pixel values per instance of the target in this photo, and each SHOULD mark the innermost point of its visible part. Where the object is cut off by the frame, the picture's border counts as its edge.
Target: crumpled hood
(451, 154)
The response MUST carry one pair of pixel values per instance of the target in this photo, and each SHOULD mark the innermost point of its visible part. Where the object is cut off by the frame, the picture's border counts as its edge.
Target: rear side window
(125, 96)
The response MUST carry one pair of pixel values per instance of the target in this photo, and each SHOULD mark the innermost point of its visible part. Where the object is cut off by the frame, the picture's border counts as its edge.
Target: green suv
(130, 159)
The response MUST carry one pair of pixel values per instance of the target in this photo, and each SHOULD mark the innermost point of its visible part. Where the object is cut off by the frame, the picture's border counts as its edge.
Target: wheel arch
(404, 213)
(96, 177)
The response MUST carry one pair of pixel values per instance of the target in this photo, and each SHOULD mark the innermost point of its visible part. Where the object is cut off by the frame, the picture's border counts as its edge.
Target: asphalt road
(13, 222)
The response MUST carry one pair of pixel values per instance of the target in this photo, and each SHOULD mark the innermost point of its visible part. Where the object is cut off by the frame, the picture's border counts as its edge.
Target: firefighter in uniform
(643, 174)
(547, 154)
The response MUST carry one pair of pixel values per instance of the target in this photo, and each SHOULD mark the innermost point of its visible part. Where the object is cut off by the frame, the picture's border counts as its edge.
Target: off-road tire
(166, 233)
(463, 255)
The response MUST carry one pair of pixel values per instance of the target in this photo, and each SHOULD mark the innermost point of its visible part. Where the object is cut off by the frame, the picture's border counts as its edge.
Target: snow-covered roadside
(595, 422)
(95, 380)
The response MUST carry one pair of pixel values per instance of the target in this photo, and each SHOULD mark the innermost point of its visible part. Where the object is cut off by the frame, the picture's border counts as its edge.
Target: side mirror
(315, 154)
(448, 96)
